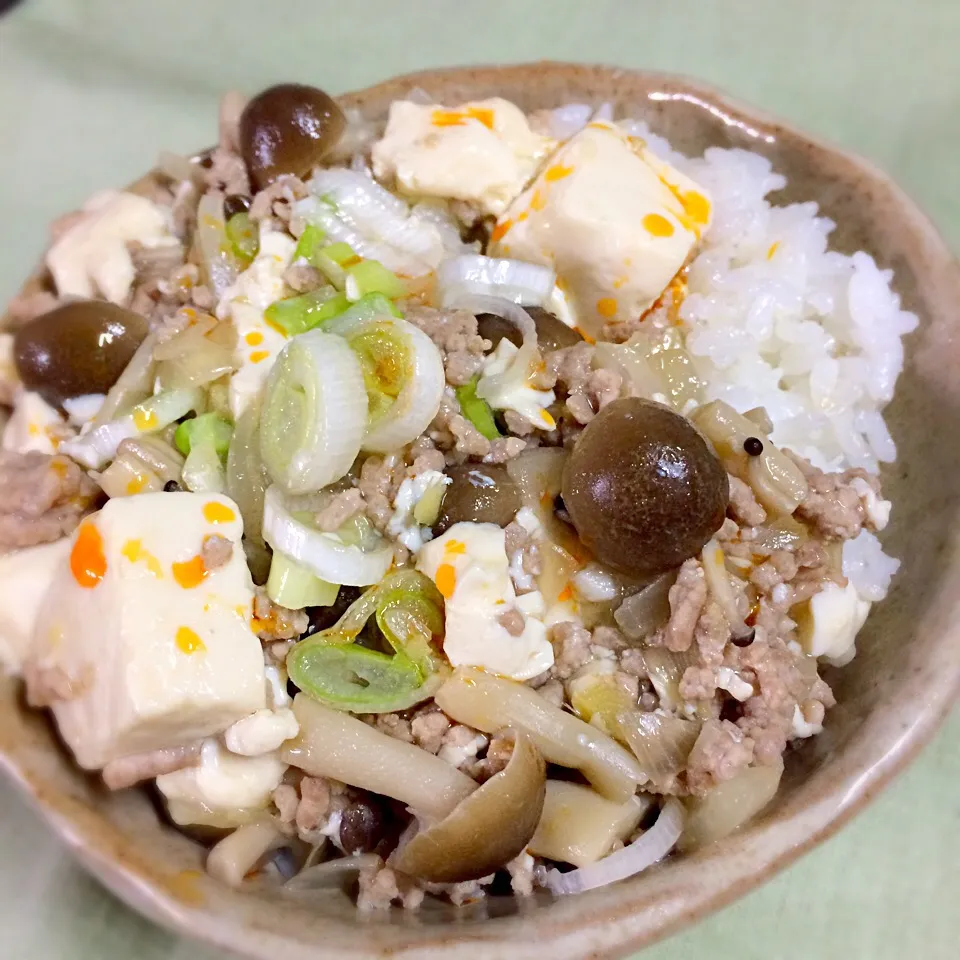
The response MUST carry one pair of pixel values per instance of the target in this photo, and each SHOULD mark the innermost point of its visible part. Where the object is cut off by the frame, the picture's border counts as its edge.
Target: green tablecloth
(91, 89)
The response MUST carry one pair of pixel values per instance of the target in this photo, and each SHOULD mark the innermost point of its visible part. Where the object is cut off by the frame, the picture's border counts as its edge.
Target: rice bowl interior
(819, 351)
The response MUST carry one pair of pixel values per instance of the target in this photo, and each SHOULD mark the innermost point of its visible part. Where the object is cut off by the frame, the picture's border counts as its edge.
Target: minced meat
(42, 498)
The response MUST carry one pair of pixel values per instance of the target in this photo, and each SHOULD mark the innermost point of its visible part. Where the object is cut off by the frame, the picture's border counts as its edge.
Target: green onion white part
(96, 448)
(314, 413)
(529, 284)
(323, 554)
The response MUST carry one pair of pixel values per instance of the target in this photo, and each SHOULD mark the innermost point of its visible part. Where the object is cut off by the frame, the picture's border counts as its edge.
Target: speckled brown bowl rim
(616, 920)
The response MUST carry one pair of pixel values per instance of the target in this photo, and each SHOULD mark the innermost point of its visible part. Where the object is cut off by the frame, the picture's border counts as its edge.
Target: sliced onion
(322, 553)
(530, 284)
(353, 208)
(649, 848)
(246, 479)
(720, 588)
(419, 398)
(331, 874)
(314, 413)
(96, 448)
(219, 265)
(133, 385)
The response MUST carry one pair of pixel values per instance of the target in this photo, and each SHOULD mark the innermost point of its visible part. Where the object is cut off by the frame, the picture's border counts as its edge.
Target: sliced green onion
(330, 668)
(374, 306)
(476, 410)
(96, 448)
(309, 243)
(297, 315)
(352, 678)
(371, 276)
(334, 260)
(244, 237)
(203, 470)
(314, 413)
(296, 587)
(208, 428)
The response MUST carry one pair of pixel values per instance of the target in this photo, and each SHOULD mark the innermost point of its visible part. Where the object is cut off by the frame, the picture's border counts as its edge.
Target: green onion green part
(293, 586)
(244, 237)
(207, 429)
(477, 410)
(299, 314)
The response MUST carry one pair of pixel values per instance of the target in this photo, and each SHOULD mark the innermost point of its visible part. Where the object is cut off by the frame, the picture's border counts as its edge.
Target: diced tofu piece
(470, 568)
(482, 152)
(25, 577)
(403, 524)
(258, 344)
(514, 392)
(34, 425)
(829, 625)
(615, 222)
(92, 257)
(156, 649)
(224, 790)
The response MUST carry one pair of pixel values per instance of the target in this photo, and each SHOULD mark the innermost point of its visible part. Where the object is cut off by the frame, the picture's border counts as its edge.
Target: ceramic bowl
(891, 698)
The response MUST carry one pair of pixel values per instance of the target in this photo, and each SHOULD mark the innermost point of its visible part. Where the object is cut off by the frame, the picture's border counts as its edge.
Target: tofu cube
(154, 649)
(615, 222)
(25, 576)
(482, 152)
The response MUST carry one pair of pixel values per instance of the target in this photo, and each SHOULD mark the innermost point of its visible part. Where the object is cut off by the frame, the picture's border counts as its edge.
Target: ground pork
(598, 389)
(461, 745)
(768, 716)
(572, 649)
(125, 772)
(496, 759)
(512, 621)
(216, 552)
(341, 508)
(454, 434)
(42, 498)
(833, 507)
(720, 753)
(456, 335)
(273, 622)
(504, 449)
(227, 171)
(276, 199)
(380, 887)
(380, 479)
(687, 598)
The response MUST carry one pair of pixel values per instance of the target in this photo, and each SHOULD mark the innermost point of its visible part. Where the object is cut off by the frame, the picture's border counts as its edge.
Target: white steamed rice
(776, 319)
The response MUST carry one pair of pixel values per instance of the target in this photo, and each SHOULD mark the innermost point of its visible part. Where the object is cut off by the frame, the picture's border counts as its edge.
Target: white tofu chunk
(258, 344)
(224, 789)
(25, 577)
(469, 565)
(482, 152)
(92, 257)
(156, 649)
(829, 625)
(615, 222)
(34, 426)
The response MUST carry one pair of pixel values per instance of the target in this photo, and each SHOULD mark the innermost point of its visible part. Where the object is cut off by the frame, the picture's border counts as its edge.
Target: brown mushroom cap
(484, 831)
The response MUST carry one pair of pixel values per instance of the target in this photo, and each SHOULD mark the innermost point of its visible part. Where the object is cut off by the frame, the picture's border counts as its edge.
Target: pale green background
(91, 90)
